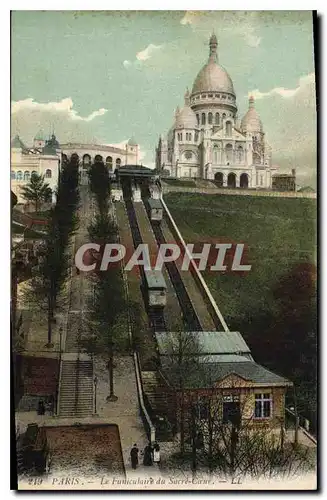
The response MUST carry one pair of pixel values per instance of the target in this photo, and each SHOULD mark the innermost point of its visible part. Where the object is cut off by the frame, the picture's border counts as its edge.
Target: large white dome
(214, 78)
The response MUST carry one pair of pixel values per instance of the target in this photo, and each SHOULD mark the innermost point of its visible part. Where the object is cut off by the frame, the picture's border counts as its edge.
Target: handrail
(141, 400)
(309, 436)
(198, 274)
(63, 341)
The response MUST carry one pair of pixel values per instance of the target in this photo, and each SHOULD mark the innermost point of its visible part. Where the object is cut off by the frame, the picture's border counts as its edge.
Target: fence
(239, 192)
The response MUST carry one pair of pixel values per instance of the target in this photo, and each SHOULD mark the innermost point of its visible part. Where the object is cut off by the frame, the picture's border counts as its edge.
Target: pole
(95, 394)
(193, 442)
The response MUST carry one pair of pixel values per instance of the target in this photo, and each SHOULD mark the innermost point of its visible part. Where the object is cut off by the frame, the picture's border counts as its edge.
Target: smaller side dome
(251, 121)
(17, 143)
(39, 136)
(53, 142)
(132, 142)
(186, 118)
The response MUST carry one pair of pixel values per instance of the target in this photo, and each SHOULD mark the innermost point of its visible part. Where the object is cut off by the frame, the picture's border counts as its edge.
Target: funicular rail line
(191, 319)
(156, 317)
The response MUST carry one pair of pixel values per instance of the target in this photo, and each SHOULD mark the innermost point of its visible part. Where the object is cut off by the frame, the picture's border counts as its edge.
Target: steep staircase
(76, 392)
(158, 394)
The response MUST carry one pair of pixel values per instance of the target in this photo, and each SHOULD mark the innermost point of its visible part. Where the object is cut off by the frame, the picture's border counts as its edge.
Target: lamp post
(95, 381)
(60, 341)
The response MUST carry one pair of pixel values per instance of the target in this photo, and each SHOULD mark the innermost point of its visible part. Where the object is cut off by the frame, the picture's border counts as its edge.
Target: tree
(183, 351)
(37, 191)
(62, 222)
(108, 321)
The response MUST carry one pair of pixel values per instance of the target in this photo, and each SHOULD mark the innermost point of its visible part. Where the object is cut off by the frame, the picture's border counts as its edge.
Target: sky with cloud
(107, 76)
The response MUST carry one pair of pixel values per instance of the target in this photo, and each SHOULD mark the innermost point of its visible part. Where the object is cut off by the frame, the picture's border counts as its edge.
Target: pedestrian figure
(134, 456)
(77, 271)
(156, 453)
(147, 459)
(40, 408)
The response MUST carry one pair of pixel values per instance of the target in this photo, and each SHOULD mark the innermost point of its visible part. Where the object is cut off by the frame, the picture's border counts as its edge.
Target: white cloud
(281, 91)
(289, 118)
(225, 23)
(64, 106)
(190, 17)
(142, 56)
(148, 52)
(29, 116)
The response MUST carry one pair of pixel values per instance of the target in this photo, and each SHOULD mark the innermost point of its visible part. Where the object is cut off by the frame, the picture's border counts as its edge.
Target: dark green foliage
(108, 323)
(62, 222)
(37, 191)
(274, 305)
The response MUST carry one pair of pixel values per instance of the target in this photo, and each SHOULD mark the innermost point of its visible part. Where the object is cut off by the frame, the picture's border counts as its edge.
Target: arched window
(210, 118)
(118, 162)
(244, 181)
(13, 174)
(229, 153)
(48, 173)
(224, 116)
(240, 154)
(217, 120)
(26, 175)
(228, 129)
(231, 180)
(98, 159)
(109, 161)
(19, 175)
(203, 119)
(180, 136)
(196, 136)
(198, 118)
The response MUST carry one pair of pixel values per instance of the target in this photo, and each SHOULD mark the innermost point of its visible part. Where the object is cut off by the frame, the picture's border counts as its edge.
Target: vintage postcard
(164, 250)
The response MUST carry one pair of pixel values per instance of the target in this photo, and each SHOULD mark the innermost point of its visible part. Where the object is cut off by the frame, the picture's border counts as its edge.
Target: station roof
(205, 342)
(205, 375)
(154, 203)
(155, 279)
(135, 171)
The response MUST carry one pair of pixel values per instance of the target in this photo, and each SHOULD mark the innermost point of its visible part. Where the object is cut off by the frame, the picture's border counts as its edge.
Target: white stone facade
(112, 156)
(207, 140)
(25, 162)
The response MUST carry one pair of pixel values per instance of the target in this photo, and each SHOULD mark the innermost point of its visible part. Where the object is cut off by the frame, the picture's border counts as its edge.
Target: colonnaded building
(45, 157)
(208, 141)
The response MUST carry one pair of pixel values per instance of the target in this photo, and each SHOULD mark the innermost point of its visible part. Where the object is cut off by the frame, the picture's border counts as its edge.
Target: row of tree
(107, 321)
(55, 259)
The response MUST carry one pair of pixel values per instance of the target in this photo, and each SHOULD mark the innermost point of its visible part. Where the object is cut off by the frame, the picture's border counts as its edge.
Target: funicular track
(190, 317)
(156, 318)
